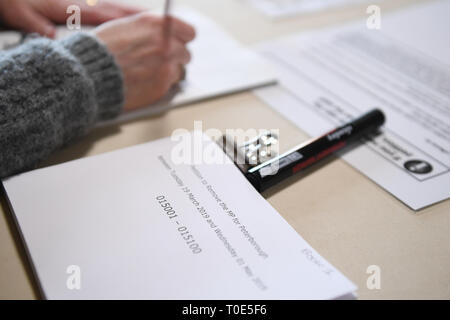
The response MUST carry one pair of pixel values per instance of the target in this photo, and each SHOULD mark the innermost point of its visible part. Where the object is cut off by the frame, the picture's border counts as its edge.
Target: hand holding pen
(151, 56)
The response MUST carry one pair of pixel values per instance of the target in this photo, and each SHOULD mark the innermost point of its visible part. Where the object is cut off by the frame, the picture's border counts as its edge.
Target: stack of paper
(134, 224)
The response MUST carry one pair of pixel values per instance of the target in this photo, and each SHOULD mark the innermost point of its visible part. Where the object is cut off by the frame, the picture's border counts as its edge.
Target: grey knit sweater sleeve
(52, 92)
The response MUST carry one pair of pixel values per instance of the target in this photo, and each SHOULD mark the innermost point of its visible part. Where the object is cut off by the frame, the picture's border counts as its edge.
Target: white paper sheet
(285, 8)
(330, 76)
(101, 214)
(219, 66)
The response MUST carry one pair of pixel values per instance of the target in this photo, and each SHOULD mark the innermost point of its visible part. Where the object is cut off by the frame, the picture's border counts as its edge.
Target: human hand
(41, 15)
(152, 59)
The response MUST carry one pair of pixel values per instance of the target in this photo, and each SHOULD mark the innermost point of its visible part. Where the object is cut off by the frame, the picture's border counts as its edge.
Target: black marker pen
(268, 174)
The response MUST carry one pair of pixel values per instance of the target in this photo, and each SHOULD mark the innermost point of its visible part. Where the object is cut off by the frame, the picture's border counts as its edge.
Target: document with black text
(330, 76)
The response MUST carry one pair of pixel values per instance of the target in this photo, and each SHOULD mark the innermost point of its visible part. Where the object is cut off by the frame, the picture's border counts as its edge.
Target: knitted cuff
(101, 67)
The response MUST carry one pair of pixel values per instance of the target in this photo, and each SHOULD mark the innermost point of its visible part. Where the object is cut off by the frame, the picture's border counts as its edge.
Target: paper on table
(105, 215)
(284, 8)
(330, 76)
(219, 66)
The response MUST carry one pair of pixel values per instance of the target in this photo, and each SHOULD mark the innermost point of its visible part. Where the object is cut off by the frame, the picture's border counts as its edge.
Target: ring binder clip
(251, 153)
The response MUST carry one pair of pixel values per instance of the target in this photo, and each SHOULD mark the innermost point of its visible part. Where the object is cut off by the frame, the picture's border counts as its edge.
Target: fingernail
(49, 31)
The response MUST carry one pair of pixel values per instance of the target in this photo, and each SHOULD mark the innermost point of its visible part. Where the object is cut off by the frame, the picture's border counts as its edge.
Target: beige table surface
(347, 218)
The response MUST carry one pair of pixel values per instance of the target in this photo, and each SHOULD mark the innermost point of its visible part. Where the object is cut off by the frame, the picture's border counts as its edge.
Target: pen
(167, 6)
(273, 171)
(167, 24)
(167, 32)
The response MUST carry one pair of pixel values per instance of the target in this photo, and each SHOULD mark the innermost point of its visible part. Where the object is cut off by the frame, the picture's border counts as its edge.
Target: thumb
(32, 21)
